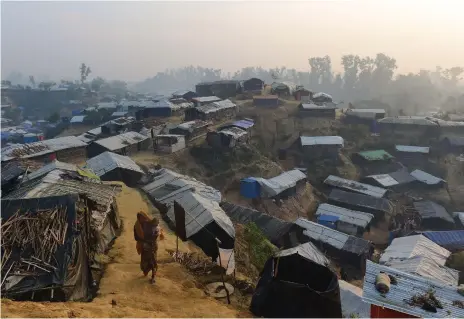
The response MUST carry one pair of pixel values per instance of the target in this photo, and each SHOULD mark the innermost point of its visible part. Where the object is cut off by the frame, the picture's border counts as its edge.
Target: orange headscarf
(142, 218)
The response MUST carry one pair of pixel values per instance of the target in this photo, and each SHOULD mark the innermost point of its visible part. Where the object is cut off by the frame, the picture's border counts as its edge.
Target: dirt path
(173, 295)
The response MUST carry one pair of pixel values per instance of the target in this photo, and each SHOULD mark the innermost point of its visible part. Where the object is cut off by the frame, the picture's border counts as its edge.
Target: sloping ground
(173, 295)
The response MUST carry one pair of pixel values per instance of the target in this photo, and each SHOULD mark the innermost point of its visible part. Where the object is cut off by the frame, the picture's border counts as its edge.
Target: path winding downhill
(173, 295)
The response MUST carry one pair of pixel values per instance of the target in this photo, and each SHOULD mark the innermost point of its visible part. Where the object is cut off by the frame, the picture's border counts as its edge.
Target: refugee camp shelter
(297, 283)
(110, 166)
(78, 119)
(316, 111)
(124, 144)
(427, 178)
(282, 186)
(168, 143)
(283, 88)
(203, 100)
(223, 88)
(373, 156)
(346, 248)
(226, 138)
(452, 240)
(204, 218)
(425, 266)
(317, 147)
(184, 94)
(433, 216)
(411, 154)
(346, 220)
(411, 246)
(68, 148)
(190, 129)
(354, 186)
(375, 114)
(266, 101)
(215, 111)
(379, 207)
(116, 126)
(321, 97)
(253, 85)
(163, 108)
(11, 171)
(398, 303)
(411, 128)
(275, 229)
(452, 145)
(351, 301)
(300, 92)
(399, 180)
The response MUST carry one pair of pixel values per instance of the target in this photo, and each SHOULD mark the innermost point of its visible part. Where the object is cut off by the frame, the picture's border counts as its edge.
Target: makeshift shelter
(347, 221)
(110, 166)
(204, 100)
(372, 156)
(282, 186)
(275, 229)
(452, 145)
(191, 129)
(316, 147)
(425, 266)
(11, 171)
(354, 186)
(427, 178)
(297, 283)
(218, 111)
(184, 94)
(68, 148)
(346, 248)
(223, 88)
(321, 97)
(168, 143)
(399, 301)
(314, 110)
(227, 137)
(302, 92)
(266, 101)
(124, 144)
(399, 180)
(379, 207)
(434, 216)
(452, 240)
(253, 85)
(78, 119)
(409, 127)
(283, 88)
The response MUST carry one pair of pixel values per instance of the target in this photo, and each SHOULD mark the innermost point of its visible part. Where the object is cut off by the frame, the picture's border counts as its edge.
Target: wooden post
(222, 274)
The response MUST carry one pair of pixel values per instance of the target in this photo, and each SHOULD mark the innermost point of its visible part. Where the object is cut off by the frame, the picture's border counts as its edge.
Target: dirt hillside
(173, 295)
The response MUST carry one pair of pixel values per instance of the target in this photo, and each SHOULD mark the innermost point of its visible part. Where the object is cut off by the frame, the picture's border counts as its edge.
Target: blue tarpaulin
(453, 240)
(245, 124)
(249, 188)
(328, 220)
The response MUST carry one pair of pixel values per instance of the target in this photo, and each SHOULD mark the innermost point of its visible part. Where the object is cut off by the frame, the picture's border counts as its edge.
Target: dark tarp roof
(307, 251)
(360, 201)
(273, 228)
(402, 177)
(428, 209)
(11, 171)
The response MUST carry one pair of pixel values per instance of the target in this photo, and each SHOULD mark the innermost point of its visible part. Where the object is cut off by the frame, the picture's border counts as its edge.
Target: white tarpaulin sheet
(227, 260)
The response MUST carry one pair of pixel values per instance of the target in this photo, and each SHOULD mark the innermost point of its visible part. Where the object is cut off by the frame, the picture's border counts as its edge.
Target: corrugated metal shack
(348, 221)
(354, 186)
(191, 129)
(204, 100)
(452, 240)
(184, 94)
(313, 110)
(427, 179)
(124, 144)
(68, 148)
(302, 92)
(434, 216)
(227, 138)
(266, 101)
(215, 111)
(116, 126)
(376, 206)
(409, 127)
(283, 88)
(114, 167)
(317, 147)
(321, 98)
(253, 85)
(204, 218)
(168, 143)
(412, 154)
(399, 180)
(163, 108)
(398, 303)
(363, 116)
(282, 186)
(224, 88)
(344, 247)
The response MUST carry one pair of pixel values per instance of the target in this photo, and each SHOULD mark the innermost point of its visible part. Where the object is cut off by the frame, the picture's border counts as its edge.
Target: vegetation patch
(260, 248)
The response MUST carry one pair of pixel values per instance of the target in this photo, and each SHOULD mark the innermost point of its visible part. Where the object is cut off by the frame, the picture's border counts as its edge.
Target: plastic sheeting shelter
(434, 216)
(283, 185)
(297, 283)
(452, 240)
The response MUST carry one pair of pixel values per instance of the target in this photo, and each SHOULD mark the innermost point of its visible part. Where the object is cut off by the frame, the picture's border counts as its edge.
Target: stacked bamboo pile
(36, 236)
(28, 149)
(194, 264)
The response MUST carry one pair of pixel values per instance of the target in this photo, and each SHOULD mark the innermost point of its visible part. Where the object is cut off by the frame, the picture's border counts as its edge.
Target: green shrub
(259, 247)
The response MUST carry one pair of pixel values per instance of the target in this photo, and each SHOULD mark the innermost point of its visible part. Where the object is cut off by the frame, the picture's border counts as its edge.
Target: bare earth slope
(173, 295)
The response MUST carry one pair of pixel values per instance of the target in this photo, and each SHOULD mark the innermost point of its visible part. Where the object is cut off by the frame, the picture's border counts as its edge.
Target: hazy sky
(134, 40)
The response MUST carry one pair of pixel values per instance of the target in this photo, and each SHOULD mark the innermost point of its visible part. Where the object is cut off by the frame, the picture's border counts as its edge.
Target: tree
(97, 83)
(85, 71)
(351, 69)
(46, 86)
(55, 117)
(6, 83)
(453, 75)
(32, 80)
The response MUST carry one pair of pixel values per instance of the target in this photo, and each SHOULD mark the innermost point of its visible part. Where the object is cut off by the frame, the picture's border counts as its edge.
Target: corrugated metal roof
(375, 111)
(407, 286)
(308, 251)
(333, 237)
(123, 140)
(206, 99)
(122, 113)
(51, 167)
(107, 105)
(77, 119)
(452, 240)
(41, 147)
(412, 149)
(403, 177)
(358, 187)
(360, 201)
(245, 124)
(428, 209)
(321, 140)
(276, 185)
(353, 217)
(426, 267)
(377, 155)
(191, 125)
(95, 131)
(312, 106)
(216, 106)
(351, 301)
(417, 245)
(234, 132)
(199, 212)
(108, 161)
(11, 171)
(384, 179)
(426, 177)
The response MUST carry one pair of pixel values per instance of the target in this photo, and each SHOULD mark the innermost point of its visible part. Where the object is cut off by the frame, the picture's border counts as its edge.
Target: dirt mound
(124, 292)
